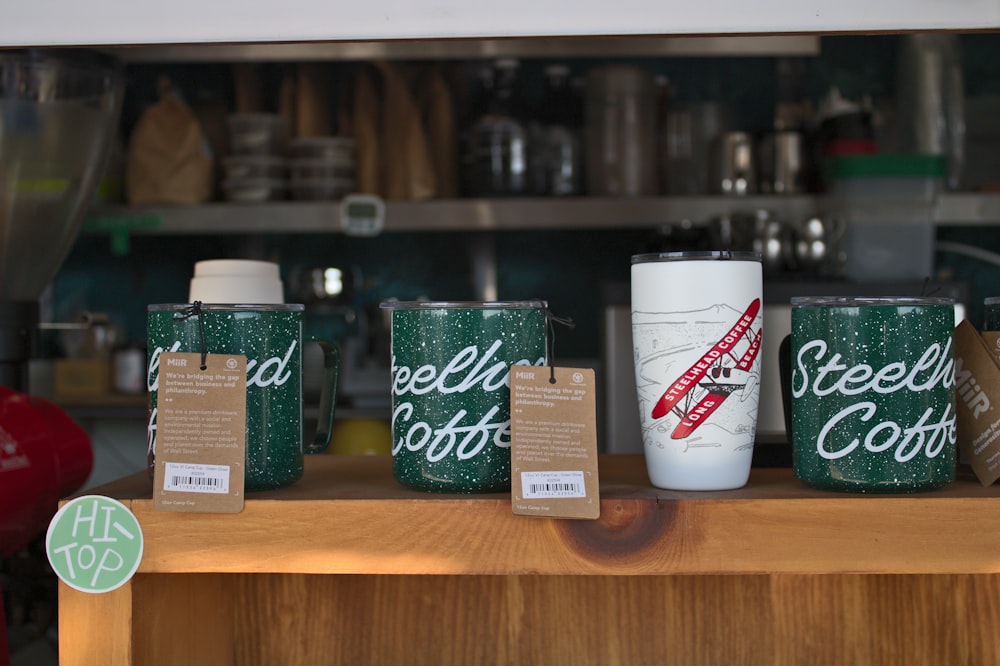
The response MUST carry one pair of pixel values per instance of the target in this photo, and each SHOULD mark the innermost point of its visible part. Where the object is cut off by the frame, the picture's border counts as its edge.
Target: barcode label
(188, 478)
(539, 485)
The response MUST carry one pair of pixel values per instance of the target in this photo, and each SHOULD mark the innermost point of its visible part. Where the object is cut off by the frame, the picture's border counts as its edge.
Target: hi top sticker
(94, 544)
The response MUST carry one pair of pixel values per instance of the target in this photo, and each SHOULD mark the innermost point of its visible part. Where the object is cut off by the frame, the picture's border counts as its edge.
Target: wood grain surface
(349, 516)
(780, 620)
(347, 567)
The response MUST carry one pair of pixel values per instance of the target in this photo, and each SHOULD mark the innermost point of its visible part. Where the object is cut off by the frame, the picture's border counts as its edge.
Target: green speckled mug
(270, 336)
(872, 393)
(451, 389)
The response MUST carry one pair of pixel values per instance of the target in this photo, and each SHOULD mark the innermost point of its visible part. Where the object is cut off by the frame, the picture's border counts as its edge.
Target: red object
(723, 348)
(4, 647)
(838, 147)
(44, 456)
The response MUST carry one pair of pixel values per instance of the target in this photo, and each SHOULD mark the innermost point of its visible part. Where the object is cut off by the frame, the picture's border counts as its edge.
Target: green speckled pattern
(271, 339)
(873, 395)
(451, 391)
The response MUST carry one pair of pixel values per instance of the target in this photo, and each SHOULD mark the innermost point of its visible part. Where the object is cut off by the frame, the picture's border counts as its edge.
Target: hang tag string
(194, 310)
(927, 283)
(550, 351)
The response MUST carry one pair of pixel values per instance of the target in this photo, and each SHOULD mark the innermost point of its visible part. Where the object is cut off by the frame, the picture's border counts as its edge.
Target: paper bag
(168, 160)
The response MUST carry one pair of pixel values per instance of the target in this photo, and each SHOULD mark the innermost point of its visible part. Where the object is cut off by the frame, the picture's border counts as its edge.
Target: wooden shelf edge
(348, 516)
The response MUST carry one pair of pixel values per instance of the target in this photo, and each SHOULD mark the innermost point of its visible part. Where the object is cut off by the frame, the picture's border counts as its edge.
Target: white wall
(115, 22)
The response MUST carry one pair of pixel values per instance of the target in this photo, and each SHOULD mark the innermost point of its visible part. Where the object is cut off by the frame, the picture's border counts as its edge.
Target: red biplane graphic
(720, 372)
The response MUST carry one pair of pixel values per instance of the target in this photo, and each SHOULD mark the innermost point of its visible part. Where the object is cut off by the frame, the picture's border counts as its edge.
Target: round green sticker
(94, 543)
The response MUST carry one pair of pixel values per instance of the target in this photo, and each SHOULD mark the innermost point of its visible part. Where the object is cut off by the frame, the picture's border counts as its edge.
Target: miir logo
(969, 390)
(272, 371)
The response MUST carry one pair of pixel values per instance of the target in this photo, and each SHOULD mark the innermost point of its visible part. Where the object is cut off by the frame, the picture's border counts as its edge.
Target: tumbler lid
(858, 301)
(697, 255)
(464, 305)
(228, 307)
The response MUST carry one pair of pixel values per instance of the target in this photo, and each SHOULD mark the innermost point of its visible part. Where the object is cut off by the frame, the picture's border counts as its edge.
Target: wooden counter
(348, 567)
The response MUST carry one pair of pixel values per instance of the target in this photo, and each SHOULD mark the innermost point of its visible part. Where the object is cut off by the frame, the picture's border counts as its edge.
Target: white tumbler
(696, 335)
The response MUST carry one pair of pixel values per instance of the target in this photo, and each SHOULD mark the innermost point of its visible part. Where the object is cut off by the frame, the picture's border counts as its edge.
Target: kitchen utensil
(329, 285)
(733, 170)
(128, 370)
(322, 189)
(773, 241)
(258, 134)
(781, 162)
(239, 168)
(818, 245)
(556, 148)
(844, 127)
(759, 231)
(690, 132)
(255, 190)
(930, 99)
(496, 153)
(620, 131)
(58, 117)
(92, 335)
(324, 147)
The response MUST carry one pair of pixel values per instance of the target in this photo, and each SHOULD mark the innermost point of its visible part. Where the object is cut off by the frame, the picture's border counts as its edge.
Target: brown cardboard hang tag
(200, 433)
(554, 442)
(977, 392)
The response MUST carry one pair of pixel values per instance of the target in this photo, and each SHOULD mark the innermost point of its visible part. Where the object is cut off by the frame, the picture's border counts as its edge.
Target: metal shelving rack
(496, 214)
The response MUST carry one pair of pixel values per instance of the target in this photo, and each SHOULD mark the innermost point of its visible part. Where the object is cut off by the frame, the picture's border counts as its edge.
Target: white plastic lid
(236, 267)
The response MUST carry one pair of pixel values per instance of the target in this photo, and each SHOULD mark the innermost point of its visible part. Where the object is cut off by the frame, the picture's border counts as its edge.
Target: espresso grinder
(59, 112)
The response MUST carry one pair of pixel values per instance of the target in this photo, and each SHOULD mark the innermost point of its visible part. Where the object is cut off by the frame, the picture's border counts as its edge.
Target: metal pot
(781, 163)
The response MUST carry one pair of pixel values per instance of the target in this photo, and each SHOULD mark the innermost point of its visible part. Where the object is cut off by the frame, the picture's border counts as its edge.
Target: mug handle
(785, 371)
(327, 398)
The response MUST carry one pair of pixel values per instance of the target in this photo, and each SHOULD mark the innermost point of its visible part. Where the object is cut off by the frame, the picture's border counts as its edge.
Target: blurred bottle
(497, 150)
(691, 129)
(479, 101)
(792, 111)
(620, 129)
(842, 127)
(930, 99)
(556, 153)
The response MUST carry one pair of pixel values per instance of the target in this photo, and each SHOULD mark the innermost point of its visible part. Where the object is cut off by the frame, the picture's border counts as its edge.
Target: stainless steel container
(781, 163)
(930, 95)
(688, 135)
(733, 169)
(620, 131)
